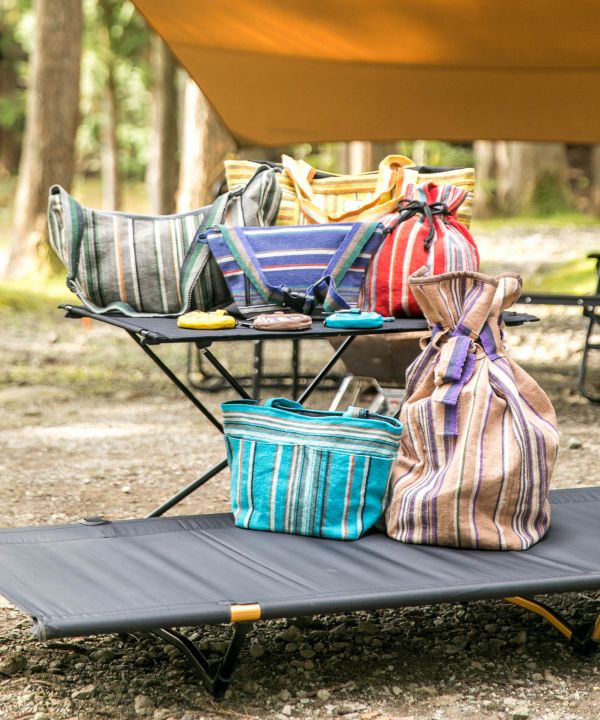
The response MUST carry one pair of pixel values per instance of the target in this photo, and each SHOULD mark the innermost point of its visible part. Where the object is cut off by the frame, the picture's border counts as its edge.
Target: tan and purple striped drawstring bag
(480, 437)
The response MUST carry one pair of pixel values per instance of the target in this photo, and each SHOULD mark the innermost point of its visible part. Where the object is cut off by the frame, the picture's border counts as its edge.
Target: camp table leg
(257, 369)
(324, 371)
(199, 405)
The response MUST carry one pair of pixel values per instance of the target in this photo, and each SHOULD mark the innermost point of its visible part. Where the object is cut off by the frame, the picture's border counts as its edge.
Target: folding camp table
(590, 304)
(160, 573)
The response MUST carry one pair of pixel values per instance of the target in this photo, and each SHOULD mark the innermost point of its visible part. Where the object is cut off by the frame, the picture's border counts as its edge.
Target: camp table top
(157, 330)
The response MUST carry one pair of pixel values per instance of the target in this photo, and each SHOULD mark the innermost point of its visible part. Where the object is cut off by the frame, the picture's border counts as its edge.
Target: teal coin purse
(354, 318)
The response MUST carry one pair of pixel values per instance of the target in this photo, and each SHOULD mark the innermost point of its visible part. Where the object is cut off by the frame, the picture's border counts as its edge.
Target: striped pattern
(325, 262)
(481, 439)
(140, 265)
(387, 289)
(315, 473)
(348, 198)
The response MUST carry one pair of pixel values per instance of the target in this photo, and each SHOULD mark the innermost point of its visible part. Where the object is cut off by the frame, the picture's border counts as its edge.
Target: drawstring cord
(410, 208)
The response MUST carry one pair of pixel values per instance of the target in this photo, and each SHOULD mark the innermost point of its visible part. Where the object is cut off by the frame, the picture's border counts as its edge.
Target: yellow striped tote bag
(311, 196)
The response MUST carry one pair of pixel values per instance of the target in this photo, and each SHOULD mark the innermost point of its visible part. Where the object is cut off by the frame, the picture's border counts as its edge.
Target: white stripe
(134, 275)
(163, 289)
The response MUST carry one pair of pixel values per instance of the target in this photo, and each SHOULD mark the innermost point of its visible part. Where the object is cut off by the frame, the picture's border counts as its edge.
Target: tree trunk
(52, 119)
(206, 142)
(484, 151)
(111, 190)
(418, 152)
(162, 163)
(532, 174)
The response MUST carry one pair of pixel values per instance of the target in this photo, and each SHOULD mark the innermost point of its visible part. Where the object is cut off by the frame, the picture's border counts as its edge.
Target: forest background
(91, 98)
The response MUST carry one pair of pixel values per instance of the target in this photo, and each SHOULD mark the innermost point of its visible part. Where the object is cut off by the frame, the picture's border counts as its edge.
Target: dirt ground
(88, 426)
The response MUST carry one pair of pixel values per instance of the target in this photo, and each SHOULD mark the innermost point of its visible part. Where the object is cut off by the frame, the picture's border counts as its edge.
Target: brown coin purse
(282, 321)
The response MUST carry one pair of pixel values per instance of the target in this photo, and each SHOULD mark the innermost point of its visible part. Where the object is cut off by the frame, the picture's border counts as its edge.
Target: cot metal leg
(584, 639)
(216, 676)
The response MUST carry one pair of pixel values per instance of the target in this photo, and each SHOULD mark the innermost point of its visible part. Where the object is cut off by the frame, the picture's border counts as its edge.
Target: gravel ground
(89, 427)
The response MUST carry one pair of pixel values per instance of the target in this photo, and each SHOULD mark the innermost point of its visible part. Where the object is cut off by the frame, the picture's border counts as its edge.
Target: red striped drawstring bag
(424, 231)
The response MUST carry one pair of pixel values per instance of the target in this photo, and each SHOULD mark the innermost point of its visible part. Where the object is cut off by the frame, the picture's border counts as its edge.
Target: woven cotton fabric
(308, 472)
(323, 264)
(349, 198)
(475, 463)
(442, 244)
(140, 265)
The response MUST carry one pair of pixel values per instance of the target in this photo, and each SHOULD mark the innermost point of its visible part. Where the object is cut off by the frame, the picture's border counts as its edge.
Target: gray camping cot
(159, 574)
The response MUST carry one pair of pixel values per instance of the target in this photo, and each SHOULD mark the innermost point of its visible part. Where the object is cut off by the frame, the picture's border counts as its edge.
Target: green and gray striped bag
(141, 265)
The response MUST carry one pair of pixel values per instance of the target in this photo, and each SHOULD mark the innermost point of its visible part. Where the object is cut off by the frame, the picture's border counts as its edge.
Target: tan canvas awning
(286, 71)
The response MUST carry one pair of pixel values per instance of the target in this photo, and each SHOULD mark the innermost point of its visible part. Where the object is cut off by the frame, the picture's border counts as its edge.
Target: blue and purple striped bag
(308, 472)
(304, 268)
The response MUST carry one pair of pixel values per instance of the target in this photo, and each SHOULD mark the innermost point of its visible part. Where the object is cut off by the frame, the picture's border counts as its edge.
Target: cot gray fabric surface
(177, 571)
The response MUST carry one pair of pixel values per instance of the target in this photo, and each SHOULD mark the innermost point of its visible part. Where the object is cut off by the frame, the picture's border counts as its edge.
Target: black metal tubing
(295, 368)
(198, 404)
(234, 383)
(594, 319)
(224, 372)
(216, 676)
(314, 384)
(188, 490)
(257, 368)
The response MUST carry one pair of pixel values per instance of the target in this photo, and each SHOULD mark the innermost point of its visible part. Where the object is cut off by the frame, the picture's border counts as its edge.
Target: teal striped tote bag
(308, 472)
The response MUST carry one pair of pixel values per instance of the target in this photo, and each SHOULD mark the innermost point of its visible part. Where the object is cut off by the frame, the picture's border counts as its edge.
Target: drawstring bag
(311, 196)
(304, 268)
(142, 265)
(481, 439)
(308, 472)
(424, 231)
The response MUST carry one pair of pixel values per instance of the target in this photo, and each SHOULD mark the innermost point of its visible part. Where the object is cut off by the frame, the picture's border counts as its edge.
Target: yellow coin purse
(198, 320)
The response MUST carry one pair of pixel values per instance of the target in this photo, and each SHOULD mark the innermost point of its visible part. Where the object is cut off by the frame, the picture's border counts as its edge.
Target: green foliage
(551, 196)
(15, 20)
(575, 276)
(116, 41)
(34, 295)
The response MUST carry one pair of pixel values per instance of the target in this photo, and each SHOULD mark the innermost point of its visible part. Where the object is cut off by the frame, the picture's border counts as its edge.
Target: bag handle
(324, 290)
(389, 182)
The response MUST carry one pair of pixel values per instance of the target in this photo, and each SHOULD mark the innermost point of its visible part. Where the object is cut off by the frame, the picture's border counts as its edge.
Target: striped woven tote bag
(311, 196)
(481, 439)
(424, 231)
(140, 265)
(308, 472)
(304, 268)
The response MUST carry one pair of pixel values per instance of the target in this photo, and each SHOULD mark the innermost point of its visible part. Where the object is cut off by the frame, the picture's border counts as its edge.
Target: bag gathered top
(475, 464)
(302, 268)
(312, 196)
(424, 231)
(140, 265)
(308, 472)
